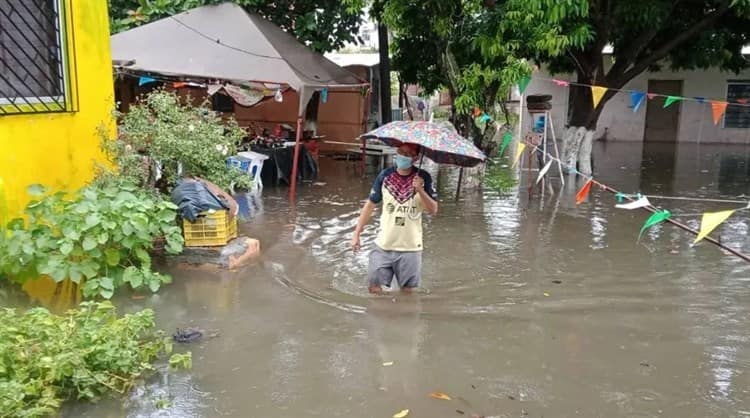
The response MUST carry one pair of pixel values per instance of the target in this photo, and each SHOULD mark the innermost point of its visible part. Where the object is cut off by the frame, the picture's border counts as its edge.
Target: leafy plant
(499, 177)
(99, 238)
(85, 354)
(181, 361)
(163, 130)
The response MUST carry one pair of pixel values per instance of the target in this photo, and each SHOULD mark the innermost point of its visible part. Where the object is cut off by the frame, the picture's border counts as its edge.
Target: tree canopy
(324, 25)
(648, 35)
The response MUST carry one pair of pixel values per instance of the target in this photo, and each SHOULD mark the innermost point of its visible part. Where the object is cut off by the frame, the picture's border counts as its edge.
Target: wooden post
(295, 163)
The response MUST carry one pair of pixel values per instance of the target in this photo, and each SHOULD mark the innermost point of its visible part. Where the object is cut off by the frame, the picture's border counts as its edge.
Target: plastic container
(212, 229)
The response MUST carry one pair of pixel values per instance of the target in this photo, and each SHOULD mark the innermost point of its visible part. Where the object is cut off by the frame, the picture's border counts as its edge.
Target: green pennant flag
(506, 141)
(671, 99)
(656, 218)
(523, 84)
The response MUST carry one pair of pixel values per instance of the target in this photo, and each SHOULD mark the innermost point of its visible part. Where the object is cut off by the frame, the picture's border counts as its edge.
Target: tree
(324, 25)
(474, 48)
(645, 35)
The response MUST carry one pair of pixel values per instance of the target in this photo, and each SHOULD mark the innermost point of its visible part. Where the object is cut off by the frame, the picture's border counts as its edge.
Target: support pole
(295, 163)
(460, 179)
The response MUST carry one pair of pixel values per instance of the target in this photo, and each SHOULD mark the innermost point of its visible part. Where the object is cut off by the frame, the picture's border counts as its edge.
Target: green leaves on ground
(86, 354)
(99, 238)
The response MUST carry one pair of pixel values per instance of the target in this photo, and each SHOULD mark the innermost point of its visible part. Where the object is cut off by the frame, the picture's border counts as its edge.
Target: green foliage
(324, 25)
(181, 361)
(498, 176)
(86, 354)
(99, 238)
(162, 128)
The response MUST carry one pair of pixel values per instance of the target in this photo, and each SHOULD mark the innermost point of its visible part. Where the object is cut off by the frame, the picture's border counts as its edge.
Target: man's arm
(364, 218)
(423, 186)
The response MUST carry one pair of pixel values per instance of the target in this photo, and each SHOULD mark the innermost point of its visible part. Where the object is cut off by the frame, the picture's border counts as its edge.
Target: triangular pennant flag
(485, 118)
(477, 112)
(718, 109)
(519, 152)
(179, 84)
(742, 101)
(324, 95)
(596, 94)
(636, 204)
(637, 98)
(506, 141)
(523, 84)
(700, 99)
(651, 95)
(584, 192)
(671, 99)
(543, 171)
(710, 221)
(561, 83)
(656, 218)
(145, 80)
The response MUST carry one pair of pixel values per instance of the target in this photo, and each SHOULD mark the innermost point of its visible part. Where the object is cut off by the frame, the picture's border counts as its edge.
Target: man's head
(408, 150)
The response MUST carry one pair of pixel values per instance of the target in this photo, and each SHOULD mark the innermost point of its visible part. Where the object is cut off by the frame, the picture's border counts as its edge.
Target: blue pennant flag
(324, 95)
(145, 80)
(700, 100)
(485, 118)
(637, 98)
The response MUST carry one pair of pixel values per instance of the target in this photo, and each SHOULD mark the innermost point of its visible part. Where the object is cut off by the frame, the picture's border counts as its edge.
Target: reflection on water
(531, 305)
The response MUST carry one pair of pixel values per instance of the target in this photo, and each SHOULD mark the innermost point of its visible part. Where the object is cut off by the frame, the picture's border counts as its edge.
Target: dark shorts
(405, 265)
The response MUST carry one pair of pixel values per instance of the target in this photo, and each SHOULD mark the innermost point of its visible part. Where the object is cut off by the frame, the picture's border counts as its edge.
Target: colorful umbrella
(440, 144)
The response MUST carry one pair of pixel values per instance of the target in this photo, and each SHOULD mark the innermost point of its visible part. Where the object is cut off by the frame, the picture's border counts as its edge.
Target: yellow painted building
(56, 93)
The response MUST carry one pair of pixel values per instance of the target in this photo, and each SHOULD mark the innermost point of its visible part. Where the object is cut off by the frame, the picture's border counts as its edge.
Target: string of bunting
(709, 221)
(637, 97)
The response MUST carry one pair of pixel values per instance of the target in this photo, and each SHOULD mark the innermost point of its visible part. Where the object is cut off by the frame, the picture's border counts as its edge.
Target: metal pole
(295, 163)
(460, 178)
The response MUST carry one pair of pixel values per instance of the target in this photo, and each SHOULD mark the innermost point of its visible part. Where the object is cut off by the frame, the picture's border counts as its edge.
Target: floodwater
(530, 306)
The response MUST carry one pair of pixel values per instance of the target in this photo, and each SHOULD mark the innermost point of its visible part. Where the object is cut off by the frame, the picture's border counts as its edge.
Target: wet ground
(531, 306)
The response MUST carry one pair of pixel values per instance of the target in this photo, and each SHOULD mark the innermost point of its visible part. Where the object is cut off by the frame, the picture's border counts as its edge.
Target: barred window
(33, 64)
(738, 91)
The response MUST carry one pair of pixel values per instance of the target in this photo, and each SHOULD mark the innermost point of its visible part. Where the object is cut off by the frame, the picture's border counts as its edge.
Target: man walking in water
(405, 192)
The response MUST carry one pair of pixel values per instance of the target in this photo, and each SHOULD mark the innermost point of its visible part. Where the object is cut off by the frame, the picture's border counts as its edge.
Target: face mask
(402, 162)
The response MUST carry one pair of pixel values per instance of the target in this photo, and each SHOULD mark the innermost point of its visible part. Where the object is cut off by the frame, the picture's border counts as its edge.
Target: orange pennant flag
(584, 192)
(179, 84)
(718, 109)
(596, 94)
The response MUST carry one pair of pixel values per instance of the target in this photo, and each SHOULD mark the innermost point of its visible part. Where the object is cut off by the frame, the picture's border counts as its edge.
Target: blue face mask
(402, 161)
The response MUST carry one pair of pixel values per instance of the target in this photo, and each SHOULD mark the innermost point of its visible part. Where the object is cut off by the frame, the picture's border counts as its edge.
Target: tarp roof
(225, 42)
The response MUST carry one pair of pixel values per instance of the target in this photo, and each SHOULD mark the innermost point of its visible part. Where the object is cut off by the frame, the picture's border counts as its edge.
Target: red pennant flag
(477, 112)
(718, 109)
(561, 83)
(651, 95)
(179, 84)
(584, 192)
(743, 101)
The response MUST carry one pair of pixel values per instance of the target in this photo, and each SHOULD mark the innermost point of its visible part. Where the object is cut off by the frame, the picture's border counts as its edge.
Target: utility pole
(385, 74)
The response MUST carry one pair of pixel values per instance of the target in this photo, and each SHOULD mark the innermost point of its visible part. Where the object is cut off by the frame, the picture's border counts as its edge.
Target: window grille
(33, 60)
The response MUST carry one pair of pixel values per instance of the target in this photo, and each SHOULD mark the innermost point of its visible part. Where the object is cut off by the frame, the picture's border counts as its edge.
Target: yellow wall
(59, 149)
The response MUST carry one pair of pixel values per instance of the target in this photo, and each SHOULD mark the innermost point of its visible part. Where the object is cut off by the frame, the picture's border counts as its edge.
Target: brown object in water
(219, 192)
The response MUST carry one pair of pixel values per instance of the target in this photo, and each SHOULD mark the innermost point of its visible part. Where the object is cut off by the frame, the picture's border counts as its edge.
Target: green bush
(162, 128)
(99, 237)
(85, 354)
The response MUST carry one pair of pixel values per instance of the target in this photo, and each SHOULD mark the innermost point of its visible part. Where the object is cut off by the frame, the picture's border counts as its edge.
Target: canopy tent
(225, 42)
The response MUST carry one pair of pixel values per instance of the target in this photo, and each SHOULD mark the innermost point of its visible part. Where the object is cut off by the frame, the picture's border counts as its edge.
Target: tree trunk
(385, 74)
(578, 138)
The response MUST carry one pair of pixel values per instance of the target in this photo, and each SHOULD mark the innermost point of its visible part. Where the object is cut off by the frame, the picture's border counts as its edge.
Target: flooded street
(530, 306)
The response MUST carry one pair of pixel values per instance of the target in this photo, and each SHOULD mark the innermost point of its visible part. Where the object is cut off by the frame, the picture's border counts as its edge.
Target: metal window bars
(34, 70)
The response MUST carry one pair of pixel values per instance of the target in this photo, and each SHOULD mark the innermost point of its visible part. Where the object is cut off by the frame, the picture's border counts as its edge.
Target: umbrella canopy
(438, 143)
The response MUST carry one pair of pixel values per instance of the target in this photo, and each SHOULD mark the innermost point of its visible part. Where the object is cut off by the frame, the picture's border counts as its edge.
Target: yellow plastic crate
(211, 229)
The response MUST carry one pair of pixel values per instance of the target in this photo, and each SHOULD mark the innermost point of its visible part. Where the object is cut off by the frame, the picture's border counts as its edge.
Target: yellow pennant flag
(597, 93)
(519, 152)
(710, 221)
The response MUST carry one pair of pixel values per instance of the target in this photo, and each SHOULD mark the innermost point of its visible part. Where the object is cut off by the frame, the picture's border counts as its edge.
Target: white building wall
(622, 124)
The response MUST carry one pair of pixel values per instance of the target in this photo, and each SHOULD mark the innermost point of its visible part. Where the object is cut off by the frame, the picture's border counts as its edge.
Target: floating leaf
(388, 363)
(401, 414)
(440, 395)
(546, 294)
